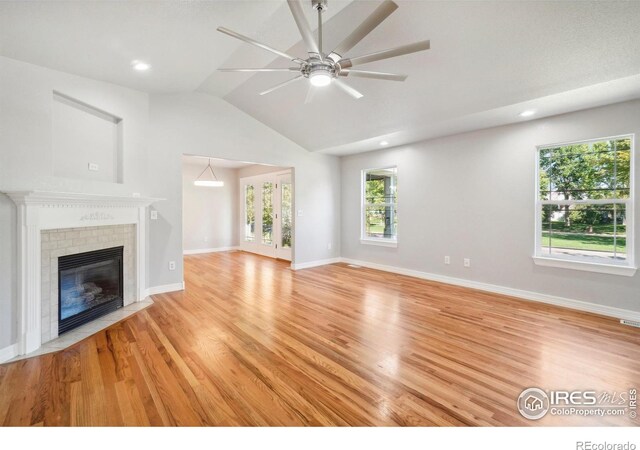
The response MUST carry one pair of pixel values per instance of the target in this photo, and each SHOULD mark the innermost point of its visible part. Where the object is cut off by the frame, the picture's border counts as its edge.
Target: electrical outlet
(299, 213)
(447, 260)
(93, 167)
(154, 215)
(172, 265)
(467, 262)
(329, 246)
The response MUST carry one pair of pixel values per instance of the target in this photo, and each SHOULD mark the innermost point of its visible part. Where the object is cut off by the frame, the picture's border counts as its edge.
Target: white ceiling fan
(322, 69)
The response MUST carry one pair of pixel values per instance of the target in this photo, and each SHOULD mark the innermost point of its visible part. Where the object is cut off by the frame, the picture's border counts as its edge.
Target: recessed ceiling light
(140, 66)
(527, 113)
(383, 143)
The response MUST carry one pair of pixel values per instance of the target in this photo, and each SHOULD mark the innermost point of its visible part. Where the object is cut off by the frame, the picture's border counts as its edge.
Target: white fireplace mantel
(43, 210)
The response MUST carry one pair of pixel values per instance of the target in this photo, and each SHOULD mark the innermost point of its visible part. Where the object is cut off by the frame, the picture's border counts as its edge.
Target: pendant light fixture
(208, 178)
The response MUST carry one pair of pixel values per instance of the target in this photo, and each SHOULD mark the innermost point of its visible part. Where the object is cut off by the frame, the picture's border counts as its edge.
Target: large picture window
(585, 202)
(380, 206)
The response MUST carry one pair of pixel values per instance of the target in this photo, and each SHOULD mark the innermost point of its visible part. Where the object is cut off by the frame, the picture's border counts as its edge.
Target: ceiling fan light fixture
(209, 183)
(320, 78)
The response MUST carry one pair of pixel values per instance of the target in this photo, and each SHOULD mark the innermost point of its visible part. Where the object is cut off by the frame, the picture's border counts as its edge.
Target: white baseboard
(210, 250)
(320, 262)
(525, 295)
(165, 288)
(8, 353)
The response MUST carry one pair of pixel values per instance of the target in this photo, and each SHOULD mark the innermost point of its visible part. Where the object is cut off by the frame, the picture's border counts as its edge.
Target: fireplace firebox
(89, 286)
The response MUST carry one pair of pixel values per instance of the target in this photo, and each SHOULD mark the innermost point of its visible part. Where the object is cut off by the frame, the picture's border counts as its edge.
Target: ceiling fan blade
(258, 44)
(385, 54)
(374, 75)
(310, 94)
(278, 86)
(370, 23)
(348, 89)
(303, 26)
(290, 69)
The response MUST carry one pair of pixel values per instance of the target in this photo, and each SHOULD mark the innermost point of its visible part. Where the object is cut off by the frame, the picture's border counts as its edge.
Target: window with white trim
(584, 205)
(380, 206)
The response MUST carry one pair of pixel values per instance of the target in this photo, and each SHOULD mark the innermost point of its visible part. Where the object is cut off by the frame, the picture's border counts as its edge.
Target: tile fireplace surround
(77, 223)
(71, 241)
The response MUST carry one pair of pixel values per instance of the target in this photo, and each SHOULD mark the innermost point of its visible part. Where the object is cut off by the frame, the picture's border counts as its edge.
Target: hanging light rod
(208, 178)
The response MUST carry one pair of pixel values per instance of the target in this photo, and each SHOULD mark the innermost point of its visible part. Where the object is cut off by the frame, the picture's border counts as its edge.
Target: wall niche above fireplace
(86, 141)
(90, 285)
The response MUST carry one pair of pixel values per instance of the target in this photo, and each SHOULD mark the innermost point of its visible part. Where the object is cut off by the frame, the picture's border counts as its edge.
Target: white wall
(451, 190)
(207, 126)
(258, 169)
(209, 215)
(27, 159)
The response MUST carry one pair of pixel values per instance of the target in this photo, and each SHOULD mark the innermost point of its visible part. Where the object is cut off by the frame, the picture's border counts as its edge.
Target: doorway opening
(235, 205)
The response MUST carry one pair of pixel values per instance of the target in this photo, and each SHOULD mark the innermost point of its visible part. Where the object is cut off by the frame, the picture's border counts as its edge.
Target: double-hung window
(380, 206)
(584, 208)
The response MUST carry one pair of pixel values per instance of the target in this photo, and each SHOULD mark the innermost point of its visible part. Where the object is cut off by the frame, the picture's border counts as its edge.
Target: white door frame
(282, 252)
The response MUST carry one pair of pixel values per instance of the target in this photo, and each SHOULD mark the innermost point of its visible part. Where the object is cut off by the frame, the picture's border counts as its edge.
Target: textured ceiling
(489, 60)
(99, 39)
(484, 57)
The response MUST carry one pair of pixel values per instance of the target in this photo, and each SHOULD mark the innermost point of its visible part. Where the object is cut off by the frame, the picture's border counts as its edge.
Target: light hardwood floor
(251, 342)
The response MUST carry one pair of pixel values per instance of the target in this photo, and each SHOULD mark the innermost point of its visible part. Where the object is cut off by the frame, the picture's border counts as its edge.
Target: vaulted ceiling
(488, 60)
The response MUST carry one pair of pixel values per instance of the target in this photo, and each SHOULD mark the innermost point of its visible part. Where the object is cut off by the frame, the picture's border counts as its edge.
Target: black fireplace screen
(89, 286)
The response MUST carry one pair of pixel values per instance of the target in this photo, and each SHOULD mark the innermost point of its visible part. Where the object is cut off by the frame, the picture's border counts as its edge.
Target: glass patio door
(267, 215)
(248, 234)
(266, 209)
(284, 216)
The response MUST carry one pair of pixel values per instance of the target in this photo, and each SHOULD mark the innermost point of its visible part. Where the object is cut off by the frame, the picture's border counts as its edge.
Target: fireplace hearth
(90, 285)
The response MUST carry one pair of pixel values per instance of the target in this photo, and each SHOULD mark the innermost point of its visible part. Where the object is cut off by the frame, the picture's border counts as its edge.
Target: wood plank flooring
(250, 342)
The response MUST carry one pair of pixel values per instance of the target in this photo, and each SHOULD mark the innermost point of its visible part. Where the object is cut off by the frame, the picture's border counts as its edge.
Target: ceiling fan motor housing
(316, 66)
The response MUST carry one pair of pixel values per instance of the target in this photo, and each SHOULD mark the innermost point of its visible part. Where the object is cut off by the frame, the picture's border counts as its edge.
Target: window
(380, 206)
(286, 209)
(249, 213)
(267, 213)
(585, 205)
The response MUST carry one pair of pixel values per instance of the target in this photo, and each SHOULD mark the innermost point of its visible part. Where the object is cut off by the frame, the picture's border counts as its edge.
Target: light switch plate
(93, 167)
(154, 215)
